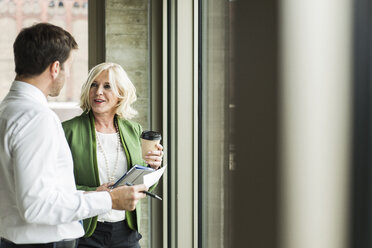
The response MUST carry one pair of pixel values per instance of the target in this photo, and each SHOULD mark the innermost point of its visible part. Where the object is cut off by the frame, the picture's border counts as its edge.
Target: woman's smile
(99, 101)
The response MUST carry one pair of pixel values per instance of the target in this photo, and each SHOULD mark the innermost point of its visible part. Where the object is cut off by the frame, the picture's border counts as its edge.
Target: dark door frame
(361, 194)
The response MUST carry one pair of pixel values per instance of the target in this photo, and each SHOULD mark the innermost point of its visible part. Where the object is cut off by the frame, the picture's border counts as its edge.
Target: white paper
(151, 178)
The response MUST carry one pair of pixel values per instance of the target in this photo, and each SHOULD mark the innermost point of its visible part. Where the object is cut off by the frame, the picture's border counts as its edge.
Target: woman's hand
(104, 187)
(154, 158)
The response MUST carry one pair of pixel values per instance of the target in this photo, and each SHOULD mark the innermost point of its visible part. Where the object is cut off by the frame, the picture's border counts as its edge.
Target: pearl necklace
(100, 147)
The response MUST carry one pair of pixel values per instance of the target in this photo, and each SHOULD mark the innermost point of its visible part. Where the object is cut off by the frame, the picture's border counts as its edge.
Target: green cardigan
(81, 137)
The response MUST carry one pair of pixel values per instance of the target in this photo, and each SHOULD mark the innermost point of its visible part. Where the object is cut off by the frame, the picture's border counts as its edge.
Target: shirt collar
(29, 90)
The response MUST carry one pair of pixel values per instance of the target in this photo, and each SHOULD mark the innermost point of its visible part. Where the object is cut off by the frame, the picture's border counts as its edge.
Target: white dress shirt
(39, 202)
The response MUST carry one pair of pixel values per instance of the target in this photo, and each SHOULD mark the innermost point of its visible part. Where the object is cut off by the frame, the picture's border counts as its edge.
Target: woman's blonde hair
(120, 84)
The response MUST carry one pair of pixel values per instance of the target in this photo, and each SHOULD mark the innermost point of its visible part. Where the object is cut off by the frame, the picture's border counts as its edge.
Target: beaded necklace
(111, 177)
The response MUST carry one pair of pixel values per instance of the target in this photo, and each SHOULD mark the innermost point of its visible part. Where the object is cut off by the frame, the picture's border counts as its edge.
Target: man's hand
(126, 197)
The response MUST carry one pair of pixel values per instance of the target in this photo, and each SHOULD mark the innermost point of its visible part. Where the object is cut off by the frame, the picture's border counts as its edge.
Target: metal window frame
(361, 183)
(96, 32)
(180, 122)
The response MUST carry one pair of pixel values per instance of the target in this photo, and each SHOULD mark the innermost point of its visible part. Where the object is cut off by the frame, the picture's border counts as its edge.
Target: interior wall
(127, 43)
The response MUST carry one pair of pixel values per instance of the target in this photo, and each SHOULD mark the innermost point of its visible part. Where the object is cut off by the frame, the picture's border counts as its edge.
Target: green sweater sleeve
(85, 188)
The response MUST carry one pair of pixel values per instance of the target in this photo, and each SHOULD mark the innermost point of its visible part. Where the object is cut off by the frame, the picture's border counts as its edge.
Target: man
(39, 203)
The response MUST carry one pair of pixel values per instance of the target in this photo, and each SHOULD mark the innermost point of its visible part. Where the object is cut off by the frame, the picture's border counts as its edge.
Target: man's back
(39, 202)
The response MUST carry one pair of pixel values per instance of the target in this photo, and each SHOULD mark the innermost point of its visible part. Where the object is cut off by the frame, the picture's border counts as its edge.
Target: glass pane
(68, 14)
(216, 104)
(128, 44)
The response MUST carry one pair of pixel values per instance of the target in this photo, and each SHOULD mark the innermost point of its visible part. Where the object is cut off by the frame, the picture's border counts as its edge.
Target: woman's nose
(99, 90)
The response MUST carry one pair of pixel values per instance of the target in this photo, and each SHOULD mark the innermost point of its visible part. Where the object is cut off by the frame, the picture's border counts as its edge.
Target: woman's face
(101, 97)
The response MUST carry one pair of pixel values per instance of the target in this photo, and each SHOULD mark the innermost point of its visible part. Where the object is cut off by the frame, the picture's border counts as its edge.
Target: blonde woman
(105, 144)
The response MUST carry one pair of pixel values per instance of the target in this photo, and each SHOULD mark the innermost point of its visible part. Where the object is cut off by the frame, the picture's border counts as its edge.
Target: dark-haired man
(39, 204)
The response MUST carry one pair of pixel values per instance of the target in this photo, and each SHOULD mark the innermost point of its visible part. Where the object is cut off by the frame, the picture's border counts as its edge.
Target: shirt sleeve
(44, 185)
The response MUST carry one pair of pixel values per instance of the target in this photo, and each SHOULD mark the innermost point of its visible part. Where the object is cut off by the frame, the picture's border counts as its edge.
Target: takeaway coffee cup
(149, 139)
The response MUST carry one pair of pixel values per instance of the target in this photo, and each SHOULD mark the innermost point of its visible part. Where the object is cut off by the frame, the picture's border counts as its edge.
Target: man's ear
(54, 68)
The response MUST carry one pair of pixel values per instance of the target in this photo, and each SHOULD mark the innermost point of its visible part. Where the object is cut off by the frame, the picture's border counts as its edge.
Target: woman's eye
(107, 86)
(93, 85)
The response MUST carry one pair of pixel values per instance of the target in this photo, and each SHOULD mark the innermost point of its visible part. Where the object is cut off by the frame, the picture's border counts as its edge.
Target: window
(216, 109)
(68, 14)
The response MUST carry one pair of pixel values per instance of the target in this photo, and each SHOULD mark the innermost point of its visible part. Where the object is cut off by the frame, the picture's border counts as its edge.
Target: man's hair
(38, 46)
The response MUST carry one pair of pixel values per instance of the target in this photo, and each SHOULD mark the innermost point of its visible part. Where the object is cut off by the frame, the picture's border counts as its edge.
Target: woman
(104, 145)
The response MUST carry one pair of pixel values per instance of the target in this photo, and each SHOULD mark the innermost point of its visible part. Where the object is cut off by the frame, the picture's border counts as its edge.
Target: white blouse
(109, 142)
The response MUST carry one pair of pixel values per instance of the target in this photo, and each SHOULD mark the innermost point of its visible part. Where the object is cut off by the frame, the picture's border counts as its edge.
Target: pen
(147, 193)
